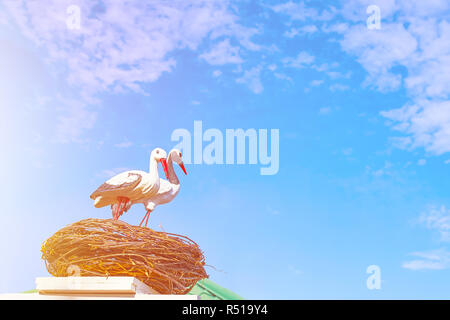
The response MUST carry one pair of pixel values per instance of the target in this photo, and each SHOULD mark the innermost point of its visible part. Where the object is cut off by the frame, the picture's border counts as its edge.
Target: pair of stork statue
(135, 186)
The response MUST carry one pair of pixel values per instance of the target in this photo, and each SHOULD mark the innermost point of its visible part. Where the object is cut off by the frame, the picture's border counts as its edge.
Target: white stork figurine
(128, 187)
(168, 190)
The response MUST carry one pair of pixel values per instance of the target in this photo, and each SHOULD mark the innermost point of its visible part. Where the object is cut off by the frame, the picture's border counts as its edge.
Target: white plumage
(168, 190)
(129, 187)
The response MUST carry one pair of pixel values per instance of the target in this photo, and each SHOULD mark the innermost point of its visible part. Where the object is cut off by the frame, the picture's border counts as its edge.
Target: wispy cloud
(109, 173)
(272, 67)
(282, 76)
(339, 87)
(347, 151)
(122, 46)
(335, 27)
(124, 144)
(222, 53)
(302, 60)
(422, 162)
(386, 170)
(294, 270)
(308, 29)
(252, 79)
(217, 73)
(432, 260)
(324, 111)
(427, 124)
(316, 83)
(75, 117)
(299, 11)
(437, 219)
(273, 211)
(419, 45)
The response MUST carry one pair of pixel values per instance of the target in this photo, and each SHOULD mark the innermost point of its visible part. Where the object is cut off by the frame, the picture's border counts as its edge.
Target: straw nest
(168, 263)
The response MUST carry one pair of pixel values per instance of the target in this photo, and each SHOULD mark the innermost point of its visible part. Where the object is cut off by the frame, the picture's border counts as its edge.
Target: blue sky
(363, 116)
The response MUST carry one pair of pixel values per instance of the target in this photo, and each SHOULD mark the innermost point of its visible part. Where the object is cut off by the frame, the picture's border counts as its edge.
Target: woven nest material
(166, 262)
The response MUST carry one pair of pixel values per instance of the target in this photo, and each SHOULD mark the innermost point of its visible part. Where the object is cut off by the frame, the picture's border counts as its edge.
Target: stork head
(160, 155)
(175, 155)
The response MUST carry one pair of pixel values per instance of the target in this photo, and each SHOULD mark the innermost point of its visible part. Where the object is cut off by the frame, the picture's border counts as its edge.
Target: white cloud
(415, 38)
(112, 172)
(222, 53)
(316, 83)
(75, 118)
(324, 110)
(426, 122)
(302, 60)
(347, 151)
(293, 32)
(432, 260)
(378, 52)
(125, 144)
(422, 162)
(273, 211)
(299, 11)
(337, 28)
(438, 219)
(309, 29)
(339, 87)
(252, 79)
(272, 67)
(330, 70)
(119, 44)
(217, 73)
(282, 76)
(384, 171)
(337, 74)
(294, 270)
(325, 67)
(123, 45)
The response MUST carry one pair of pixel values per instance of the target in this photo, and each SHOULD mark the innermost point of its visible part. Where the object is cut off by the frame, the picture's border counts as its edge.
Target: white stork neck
(153, 168)
(172, 175)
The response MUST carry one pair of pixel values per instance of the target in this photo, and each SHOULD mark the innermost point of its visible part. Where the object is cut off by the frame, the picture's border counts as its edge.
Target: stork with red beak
(168, 190)
(129, 187)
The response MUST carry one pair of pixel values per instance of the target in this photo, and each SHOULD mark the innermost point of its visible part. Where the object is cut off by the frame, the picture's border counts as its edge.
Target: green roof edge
(209, 290)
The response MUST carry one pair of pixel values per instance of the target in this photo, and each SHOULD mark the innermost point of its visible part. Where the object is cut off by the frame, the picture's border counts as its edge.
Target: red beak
(164, 165)
(183, 168)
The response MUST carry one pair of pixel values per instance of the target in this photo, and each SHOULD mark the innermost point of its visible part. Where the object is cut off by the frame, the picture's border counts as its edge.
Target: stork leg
(121, 208)
(147, 215)
(115, 212)
(121, 205)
